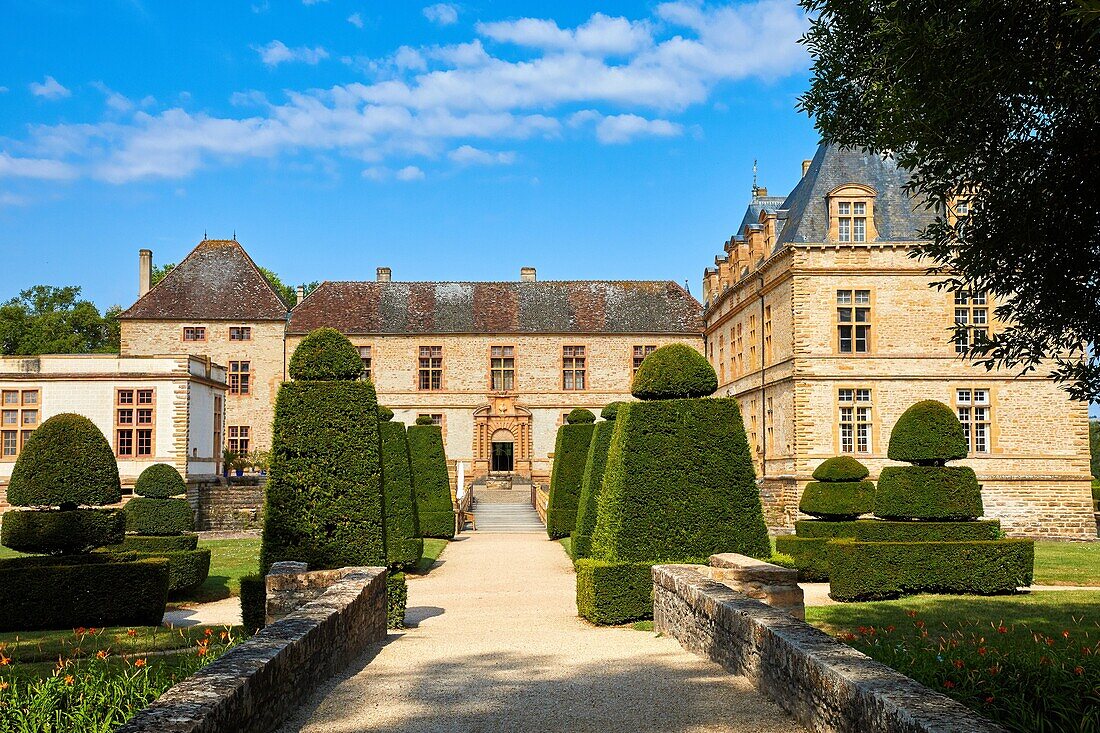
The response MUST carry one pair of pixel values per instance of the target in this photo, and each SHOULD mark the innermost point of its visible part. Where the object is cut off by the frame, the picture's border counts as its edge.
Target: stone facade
(773, 334)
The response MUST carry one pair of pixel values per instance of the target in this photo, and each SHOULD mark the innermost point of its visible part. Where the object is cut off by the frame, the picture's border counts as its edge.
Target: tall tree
(997, 100)
(51, 320)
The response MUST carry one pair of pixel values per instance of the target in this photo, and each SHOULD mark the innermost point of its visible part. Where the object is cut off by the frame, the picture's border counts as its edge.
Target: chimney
(145, 271)
(384, 274)
(299, 294)
(806, 166)
(527, 274)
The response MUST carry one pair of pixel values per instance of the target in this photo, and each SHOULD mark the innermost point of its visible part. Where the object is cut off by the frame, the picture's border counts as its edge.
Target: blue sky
(447, 141)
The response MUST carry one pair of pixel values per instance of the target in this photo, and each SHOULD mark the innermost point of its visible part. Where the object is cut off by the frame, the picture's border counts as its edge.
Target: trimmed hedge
(928, 492)
(614, 592)
(187, 569)
(879, 530)
(385, 414)
(679, 485)
(424, 420)
(97, 589)
(612, 409)
(863, 571)
(579, 416)
(324, 496)
(157, 543)
(66, 462)
(810, 555)
(159, 516)
(325, 355)
(927, 434)
(594, 467)
(672, 372)
(397, 598)
(837, 499)
(841, 468)
(160, 481)
(61, 531)
(570, 454)
(431, 484)
(403, 543)
(253, 602)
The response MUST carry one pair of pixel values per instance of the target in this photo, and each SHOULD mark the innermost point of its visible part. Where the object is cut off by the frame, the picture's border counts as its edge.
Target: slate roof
(575, 306)
(770, 204)
(898, 218)
(216, 281)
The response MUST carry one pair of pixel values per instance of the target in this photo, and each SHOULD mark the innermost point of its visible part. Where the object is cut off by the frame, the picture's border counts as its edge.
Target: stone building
(825, 329)
(152, 409)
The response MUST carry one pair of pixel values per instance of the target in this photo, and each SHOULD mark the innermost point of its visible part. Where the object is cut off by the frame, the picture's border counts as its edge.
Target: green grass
(26, 647)
(433, 548)
(642, 626)
(229, 561)
(567, 545)
(1067, 563)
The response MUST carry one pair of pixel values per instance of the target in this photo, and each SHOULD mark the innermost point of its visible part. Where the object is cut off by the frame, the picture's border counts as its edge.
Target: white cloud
(410, 173)
(313, 2)
(356, 20)
(408, 58)
(624, 128)
(11, 199)
(277, 52)
(50, 88)
(442, 13)
(3, 90)
(116, 101)
(469, 155)
(40, 168)
(601, 35)
(376, 173)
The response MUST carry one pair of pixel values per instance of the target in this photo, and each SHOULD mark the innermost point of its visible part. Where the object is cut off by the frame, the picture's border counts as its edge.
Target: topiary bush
(403, 543)
(61, 532)
(839, 492)
(674, 371)
(425, 420)
(841, 468)
(159, 516)
(611, 410)
(431, 483)
(148, 543)
(397, 598)
(614, 592)
(810, 554)
(324, 495)
(566, 475)
(591, 482)
(580, 416)
(928, 492)
(253, 602)
(1094, 452)
(385, 414)
(66, 463)
(187, 569)
(160, 481)
(927, 434)
(877, 530)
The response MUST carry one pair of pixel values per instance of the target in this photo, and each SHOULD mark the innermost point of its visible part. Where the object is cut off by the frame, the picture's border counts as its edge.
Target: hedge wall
(594, 466)
(397, 598)
(65, 461)
(403, 543)
(152, 543)
(253, 602)
(837, 499)
(862, 571)
(431, 484)
(98, 589)
(324, 494)
(159, 516)
(61, 531)
(614, 592)
(876, 530)
(570, 454)
(160, 481)
(928, 492)
(810, 555)
(187, 569)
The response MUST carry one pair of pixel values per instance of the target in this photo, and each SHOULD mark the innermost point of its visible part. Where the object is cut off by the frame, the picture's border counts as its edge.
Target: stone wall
(256, 685)
(826, 685)
(771, 584)
(222, 507)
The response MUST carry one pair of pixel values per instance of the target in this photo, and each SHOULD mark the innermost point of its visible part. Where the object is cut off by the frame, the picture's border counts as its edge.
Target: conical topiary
(435, 512)
(592, 481)
(840, 492)
(570, 454)
(403, 543)
(674, 371)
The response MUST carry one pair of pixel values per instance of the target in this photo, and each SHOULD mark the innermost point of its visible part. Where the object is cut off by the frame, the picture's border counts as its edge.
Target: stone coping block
(745, 568)
(257, 684)
(777, 586)
(825, 684)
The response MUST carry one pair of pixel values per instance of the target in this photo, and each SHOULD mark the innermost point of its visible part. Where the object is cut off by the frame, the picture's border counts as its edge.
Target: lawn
(229, 560)
(433, 548)
(1067, 563)
(567, 545)
(25, 647)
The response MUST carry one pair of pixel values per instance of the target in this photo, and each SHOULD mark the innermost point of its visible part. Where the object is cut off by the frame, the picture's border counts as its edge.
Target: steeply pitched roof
(580, 306)
(770, 204)
(898, 218)
(217, 281)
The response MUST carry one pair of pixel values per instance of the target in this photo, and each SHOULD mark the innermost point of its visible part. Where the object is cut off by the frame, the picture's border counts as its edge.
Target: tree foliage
(50, 320)
(999, 100)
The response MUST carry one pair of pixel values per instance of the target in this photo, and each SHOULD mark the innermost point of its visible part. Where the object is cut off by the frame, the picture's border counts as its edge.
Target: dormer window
(851, 214)
(852, 221)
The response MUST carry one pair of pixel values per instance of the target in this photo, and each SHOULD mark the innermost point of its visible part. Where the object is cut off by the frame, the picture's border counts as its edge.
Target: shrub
(157, 543)
(810, 555)
(253, 602)
(927, 434)
(325, 355)
(1094, 452)
(97, 589)
(672, 372)
(159, 516)
(614, 592)
(594, 466)
(570, 453)
(187, 569)
(403, 543)
(841, 468)
(609, 412)
(579, 416)
(928, 492)
(61, 531)
(424, 420)
(876, 530)
(66, 463)
(397, 597)
(837, 499)
(160, 481)
(861, 571)
(385, 414)
(431, 484)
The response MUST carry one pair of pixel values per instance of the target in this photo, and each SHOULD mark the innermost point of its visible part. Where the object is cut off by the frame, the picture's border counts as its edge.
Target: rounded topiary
(580, 416)
(672, 372)
(325, 355)
(837, 500)
(841, 468)
(66, 463)
(928, 492)
(62, 532)
(160, 481)
(927, 434)
(609, 412)
(159, 516)
(385, 414)
(425, 420)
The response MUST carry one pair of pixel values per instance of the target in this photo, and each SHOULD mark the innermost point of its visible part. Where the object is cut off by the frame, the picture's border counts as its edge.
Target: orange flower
(995, 669)
(981, 650)
(4, 661)
(4, 684)
(1078, 670)
(139, 662)
(131, 632)
(1065, 634)
(68, 679)
(91, 629)
(989, 699)
(101, 654)
(202, 651)
(959, 664)
(949, 684)
(208, 632)
(919, 624)
(1002, 629)
(911, 614)
(224, 635)
(79, 631)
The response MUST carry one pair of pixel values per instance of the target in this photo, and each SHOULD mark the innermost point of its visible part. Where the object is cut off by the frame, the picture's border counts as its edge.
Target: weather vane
(755, 188)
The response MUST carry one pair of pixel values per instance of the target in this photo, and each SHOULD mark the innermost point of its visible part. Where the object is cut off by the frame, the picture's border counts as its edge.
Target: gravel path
(498, 647)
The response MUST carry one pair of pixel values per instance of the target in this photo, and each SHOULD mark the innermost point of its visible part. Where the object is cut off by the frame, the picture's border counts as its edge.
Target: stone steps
(506, 517)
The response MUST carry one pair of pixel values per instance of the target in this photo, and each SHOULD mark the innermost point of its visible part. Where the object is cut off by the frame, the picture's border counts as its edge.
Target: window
(852, 221)
(436, 417)
(640, 353)
(194, 333)
(240, 377)
(502, 368)
(739, 354)
(752, 342)
(217, 448)
(240, 333)
(855, 420)
(19, 416)
(974, 414)
(767, 334)
(851, 217)
(971, 319)
(365, 357)
(135, 416)
(853, 317)
(572, 367)
(722, 358)
(239, 439)
(431, 367)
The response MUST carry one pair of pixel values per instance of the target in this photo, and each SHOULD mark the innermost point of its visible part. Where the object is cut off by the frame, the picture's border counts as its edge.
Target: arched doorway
(503, 455)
